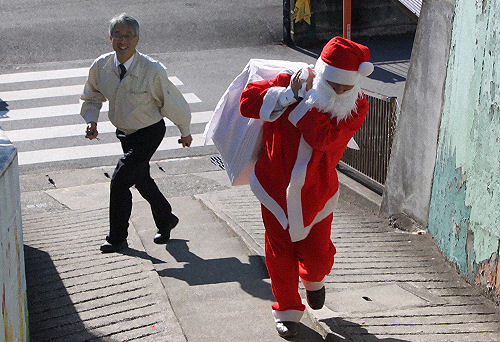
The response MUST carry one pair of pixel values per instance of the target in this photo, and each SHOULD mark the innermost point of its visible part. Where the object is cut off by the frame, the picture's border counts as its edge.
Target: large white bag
(239, 139)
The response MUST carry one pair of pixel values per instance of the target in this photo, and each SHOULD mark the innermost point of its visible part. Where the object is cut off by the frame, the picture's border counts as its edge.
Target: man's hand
(91, 132)
(186, 141)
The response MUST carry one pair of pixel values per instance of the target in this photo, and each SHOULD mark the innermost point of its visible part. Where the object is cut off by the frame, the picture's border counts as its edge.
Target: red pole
(347, 19)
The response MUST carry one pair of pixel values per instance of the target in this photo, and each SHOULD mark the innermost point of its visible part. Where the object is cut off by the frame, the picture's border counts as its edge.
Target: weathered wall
(464, 215)
(14, 322)
(409, 176)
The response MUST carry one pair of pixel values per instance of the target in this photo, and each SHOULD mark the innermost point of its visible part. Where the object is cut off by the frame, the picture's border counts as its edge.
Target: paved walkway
(210, 282)
(75, 293)
(386, 284)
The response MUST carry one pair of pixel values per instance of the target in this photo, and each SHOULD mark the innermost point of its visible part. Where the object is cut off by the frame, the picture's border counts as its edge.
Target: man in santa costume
(309, 118)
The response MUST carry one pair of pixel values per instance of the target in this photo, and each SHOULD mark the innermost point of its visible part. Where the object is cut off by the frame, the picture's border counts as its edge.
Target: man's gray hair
(125, 20)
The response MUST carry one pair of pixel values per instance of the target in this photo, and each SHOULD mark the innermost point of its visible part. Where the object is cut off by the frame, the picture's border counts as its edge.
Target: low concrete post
(14, 321)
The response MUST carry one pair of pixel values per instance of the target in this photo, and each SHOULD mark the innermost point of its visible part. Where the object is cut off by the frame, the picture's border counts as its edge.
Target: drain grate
(217, 160)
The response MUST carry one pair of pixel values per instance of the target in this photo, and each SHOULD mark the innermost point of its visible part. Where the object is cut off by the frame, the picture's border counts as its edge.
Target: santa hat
(343, 61)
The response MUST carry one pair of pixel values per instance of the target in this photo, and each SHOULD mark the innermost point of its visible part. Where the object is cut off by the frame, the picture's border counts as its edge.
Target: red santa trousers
(311, 259)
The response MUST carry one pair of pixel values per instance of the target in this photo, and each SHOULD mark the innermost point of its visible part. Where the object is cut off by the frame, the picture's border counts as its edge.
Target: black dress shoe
(162, 237)
(111, 248)
(287, 329)
(316, 299)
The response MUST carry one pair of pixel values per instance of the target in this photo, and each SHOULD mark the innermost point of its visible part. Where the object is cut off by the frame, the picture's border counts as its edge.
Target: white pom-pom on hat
(365, 68)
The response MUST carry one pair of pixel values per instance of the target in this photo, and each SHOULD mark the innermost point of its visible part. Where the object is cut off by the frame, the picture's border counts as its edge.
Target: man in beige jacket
(140, 95)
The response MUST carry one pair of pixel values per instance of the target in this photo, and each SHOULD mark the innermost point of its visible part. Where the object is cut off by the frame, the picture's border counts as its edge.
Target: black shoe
(162, 237)
(316, 299)
(287, 329)
(111, 248)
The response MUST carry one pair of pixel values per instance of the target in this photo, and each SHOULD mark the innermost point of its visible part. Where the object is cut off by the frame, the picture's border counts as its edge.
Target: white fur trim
(328, 208)
(365, 68)
(269, 104)
(333, 74)
(287, 97)
(298, 112)
(352, 144)
(294, 199)
(267, 200)
(313, 285)
(298, 231)
(294, 192)
(287, 315)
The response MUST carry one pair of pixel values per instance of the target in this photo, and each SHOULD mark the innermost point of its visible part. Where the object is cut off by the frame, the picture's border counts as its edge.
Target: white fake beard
(325, 99)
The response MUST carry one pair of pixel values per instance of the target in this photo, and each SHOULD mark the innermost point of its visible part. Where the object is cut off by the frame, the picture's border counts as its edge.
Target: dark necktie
(123, 70)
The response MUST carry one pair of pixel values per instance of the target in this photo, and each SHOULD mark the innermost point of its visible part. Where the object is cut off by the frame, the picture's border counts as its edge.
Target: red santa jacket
(295, 176)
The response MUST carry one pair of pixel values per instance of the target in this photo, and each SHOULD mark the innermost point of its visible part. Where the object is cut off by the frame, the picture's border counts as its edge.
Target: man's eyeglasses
(123, 36)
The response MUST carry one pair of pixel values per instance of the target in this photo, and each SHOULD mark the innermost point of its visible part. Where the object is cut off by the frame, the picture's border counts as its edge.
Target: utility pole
(347, 19)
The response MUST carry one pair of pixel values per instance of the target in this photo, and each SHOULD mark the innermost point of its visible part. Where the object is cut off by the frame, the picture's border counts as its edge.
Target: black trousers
(133, 169)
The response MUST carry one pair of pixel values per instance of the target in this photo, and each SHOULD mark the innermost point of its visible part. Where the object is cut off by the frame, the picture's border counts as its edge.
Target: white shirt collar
(126, 64)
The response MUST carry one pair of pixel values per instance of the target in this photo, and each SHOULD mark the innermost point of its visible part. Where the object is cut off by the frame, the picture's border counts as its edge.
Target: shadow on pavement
(199, 271)
(52, 314)
(386, 76)
(140, 254)
(352, 332)
(307, 334)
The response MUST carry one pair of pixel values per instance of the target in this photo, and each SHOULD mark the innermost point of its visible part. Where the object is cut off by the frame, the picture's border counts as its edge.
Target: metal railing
(374, 140)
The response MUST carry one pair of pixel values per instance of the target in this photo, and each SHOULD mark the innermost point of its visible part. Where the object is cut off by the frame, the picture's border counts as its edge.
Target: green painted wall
(464, 214)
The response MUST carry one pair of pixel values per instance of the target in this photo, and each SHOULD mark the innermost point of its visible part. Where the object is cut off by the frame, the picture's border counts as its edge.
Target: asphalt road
(204, 44)
(39, 31)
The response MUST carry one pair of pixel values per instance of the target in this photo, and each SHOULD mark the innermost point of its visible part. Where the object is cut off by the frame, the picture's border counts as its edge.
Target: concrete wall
(464, 215)
(368, 18)
(409, 176)
(14, 322)
(445, 165)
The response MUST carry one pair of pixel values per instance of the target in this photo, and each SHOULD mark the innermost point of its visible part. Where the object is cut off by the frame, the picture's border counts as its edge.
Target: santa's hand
(296, 83)
(308, 76)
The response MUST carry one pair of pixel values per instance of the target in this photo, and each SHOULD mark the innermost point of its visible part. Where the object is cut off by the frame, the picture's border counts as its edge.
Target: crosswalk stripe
(78, 130)
(40, 93)
(55, 75)
(191, 98)
(175, 81)
(54, 111)
(93, 151)
(44, 112)
(43, 75)
(90, 149)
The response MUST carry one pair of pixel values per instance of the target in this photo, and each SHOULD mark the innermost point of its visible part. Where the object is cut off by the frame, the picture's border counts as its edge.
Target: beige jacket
(142, 98)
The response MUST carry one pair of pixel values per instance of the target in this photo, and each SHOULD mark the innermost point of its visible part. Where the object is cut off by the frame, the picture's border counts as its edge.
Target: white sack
(237, 138)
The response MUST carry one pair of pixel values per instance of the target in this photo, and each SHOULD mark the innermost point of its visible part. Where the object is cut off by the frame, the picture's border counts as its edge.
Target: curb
(353, 192)
(250, 243)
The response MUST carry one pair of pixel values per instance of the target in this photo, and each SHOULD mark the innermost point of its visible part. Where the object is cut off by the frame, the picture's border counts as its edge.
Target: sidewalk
(75, 293)
(210, 284)
(386, 284)
(204, 285)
